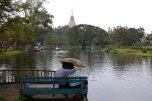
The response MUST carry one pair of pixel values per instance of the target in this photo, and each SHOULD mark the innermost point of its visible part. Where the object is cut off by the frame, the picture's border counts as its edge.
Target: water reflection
(22, 61)
(112, 77)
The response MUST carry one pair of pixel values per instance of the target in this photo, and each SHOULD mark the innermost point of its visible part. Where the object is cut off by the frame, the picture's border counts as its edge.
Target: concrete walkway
(9, 91)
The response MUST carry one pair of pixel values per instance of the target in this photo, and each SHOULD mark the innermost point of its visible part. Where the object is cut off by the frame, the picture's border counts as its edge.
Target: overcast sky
(103, 13)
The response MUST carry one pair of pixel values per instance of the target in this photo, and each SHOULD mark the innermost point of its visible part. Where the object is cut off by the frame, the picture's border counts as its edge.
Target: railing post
(14, 76)
(3, 76)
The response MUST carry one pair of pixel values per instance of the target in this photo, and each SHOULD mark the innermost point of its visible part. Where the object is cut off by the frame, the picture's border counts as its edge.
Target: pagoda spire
(72, 12)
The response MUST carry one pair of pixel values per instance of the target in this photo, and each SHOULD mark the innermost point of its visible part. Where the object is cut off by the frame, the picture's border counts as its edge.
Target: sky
(103, 13)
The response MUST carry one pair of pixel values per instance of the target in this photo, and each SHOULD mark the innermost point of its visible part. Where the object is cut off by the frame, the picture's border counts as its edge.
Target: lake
(112, 77)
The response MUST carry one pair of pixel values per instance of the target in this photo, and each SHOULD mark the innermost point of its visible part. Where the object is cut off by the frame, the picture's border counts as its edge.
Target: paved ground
(10, 92)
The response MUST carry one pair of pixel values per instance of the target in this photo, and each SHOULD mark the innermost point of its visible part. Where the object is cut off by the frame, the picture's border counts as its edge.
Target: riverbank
(9, 91)
(145, 51)
(10, 53)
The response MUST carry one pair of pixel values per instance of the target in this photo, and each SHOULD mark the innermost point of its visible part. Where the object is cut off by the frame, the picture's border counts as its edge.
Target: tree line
(22, 22)
(88, 35)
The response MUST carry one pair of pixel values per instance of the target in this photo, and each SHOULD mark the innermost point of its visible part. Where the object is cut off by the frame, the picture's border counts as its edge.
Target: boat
(57, 49)
(36, 49)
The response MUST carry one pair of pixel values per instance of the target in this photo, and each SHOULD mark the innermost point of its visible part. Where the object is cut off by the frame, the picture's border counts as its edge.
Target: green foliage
(110, 49)
(51, 39)
(61, 30)
(121, 36)
(16, 32)
(2, 98)
(102, 37)
(57, 37)
(60, 35)
(6, 9)
(10, 53)
(37, 16)
(21, 98)
(144, 50)
(21, 22)
(137, 35)
(43, 34)
(86, 35)
(130, 51)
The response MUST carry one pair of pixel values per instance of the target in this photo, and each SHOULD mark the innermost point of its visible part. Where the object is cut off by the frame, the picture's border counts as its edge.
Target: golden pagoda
(72, 22)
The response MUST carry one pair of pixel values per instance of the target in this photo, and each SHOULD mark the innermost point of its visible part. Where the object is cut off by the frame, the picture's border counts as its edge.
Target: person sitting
(66, 70)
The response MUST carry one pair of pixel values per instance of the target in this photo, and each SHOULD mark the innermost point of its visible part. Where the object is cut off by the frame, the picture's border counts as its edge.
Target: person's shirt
(61, 72)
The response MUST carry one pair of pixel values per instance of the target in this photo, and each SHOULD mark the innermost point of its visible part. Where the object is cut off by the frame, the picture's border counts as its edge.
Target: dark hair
(67, 65)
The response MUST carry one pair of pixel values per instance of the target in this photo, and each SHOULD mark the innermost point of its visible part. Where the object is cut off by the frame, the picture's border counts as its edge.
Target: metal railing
(14, 76)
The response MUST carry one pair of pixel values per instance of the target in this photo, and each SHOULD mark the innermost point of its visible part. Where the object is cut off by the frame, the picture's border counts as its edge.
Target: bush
(144, 50)
(21, 98)
(115, 51)
(106, 50)
(2, 98)
(131, 51)
(109, 49)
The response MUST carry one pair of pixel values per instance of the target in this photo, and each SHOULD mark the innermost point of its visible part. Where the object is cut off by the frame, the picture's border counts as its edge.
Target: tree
(16, 33)
(36, 13)
(6, 10)
(61, 35)
(36, 16)
(21, 22)
(43, 33)
(137, 35)
(85, 35)
(58, 36)
(39, 18)
(102, 37)
(121, 36)
(51, 39)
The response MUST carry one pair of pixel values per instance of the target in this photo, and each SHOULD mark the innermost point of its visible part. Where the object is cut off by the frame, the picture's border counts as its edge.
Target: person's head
(67, 65)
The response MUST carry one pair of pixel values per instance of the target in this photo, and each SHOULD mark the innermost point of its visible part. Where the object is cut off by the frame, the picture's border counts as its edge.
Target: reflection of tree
(120, 61)
(149, 62)
(89, 57)
(74, 53)
(43, 60)
(21, 61)
(94, 58)
(25, 61)
(126, 65)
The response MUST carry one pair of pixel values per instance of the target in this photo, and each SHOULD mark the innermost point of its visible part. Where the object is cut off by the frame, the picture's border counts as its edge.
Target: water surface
(111, 77)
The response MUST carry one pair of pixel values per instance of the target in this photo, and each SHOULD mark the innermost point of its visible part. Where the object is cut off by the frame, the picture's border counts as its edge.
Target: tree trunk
(83, 46)
(1, 47)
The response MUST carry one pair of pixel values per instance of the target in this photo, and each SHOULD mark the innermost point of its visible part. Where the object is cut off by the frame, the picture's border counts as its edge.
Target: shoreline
(130, 51)
(10, 53)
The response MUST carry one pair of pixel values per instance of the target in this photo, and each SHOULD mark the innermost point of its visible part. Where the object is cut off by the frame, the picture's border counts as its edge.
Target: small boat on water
(42, 48)
(57, 49)
(36, 49)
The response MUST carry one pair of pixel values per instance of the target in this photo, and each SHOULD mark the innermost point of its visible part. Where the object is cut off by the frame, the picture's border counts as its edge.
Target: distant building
(72, 21)
(147, 39)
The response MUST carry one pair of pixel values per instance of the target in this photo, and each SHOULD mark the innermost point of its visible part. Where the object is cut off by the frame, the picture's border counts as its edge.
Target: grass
(130, 51)
(2, 98)
(133, 52)
(148, 47)
(20, 98)
(23, 98)
(10, 53)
